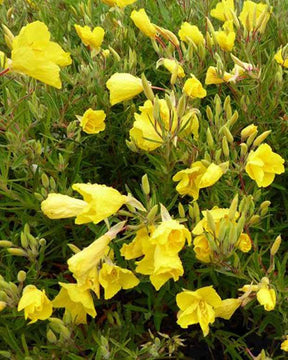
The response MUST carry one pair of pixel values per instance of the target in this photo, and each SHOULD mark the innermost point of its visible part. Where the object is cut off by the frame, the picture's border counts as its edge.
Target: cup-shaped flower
(263, 164)
(123, 86)
(77, 301)
(284, 344)
(35, 55)
(223, 10)
(198, 307)
(188, 33)
(35, 303)
(225, 39)
(280, 60)
(197, 177)
(244, 243)
(138, 246)
(119, 3)
(194, 88)
(113, 278)
(58, 206)
(92, 121)
(267, 297)
(254, 17)
(202, 249)
(170, 236)
(143, 23)
(92, 38)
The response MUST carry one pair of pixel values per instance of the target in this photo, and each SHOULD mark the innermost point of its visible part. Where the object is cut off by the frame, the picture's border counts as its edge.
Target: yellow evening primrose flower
(197, 177)
(90, 38)
(198, 307)
(123, 86)
(143, 23)
(92, 122)
(225, 39)
(223, 10)
(137, 247)
(173, 66)
(279, 58)
(194, 89)
(100, 202)
(84, 264)
(170, 236)
(202, 249)
(77, 301)
(119, 3)
(267, 298)
(58, 206)
(35, 55)
(188, 33)
(244, 243)
(212, 76)
(254, 17)
(35, 303)
(263, 164)
(284, 345)
(165, 267)
(113, 278)
(248, 131)
(227, 308)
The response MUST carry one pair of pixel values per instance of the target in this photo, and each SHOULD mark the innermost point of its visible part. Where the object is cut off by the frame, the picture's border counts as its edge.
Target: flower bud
(17, 252)
(261, 138)
(233, 208)
(152, 213)
(21, 276)
(255, 219)
(247, 131)
(275, 246)
(232, 120)
(5, 243)
(210, 221)
(45, 180)
(145, 184)
(228, 134)
(51, 337)
(147, 88)
(209, 114)
(3, 305)
(42, 242)
(181, 210)
(209, 137)
(227, 107)
(225, 147)
(244, 150)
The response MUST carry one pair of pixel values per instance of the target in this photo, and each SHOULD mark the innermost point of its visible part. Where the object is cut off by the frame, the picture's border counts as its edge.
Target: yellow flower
(188, 33)
(267, 298)
(100, 202)
(58, 206)
(35, 303)
(93, 39)
(217, 214)
(248, 131)
(142, 21)
(227, 308)
(279, 58)
(194, 88)
(165, 267)
(77, 301)
(263, 164)
(197, 177)
(225, 40)
(223, 10)
(212, 76)
(189, 124)
(170, 236)
(35, 55)
(198, 307)
(138, 246)
(92, 122)
(173, 66)
(202, 248)
(119, 3)
(113, 278)
(244, 243)
(123, 86)
(284, 345)
(84, 264)
(254, 17)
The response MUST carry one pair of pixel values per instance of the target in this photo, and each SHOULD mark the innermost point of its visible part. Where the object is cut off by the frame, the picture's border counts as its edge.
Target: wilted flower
(77, 301)
(263, 164)
(123, 86)
(93, 39)
(188, 33)
(35, 303)
(142, 21)
(92, 122)
(35, 55)
(113, 278)
(213, 77)
(197, 177)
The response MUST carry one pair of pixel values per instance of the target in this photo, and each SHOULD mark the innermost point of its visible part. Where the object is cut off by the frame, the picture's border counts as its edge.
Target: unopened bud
(233, 207)
(21, 276)
(181, 108)
(232, 119)
(5, 243)
(181, 210)
(209, 137)
(275, 246)
(228, 134)
(114, 54)
(147, 88)
(209, 114)
(210, 221)
(261, 138)
(225, 147)
(255, 219)
(3, 305)
(42, 242)
(45, 180)
(145, 184)
(244, 149)
(227, 107)
(247, 131)
(251, 139)
(51, 337)
(17, 252)
(212, 31)
(152, 213)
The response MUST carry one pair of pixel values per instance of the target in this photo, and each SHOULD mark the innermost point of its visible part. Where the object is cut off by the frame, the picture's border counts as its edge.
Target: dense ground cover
(180, 253)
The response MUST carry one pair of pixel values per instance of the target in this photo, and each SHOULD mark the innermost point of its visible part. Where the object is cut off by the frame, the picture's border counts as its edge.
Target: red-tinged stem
(4, 71)
(160, 42)
(157, 88)
(179, 53)
(242, 183)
